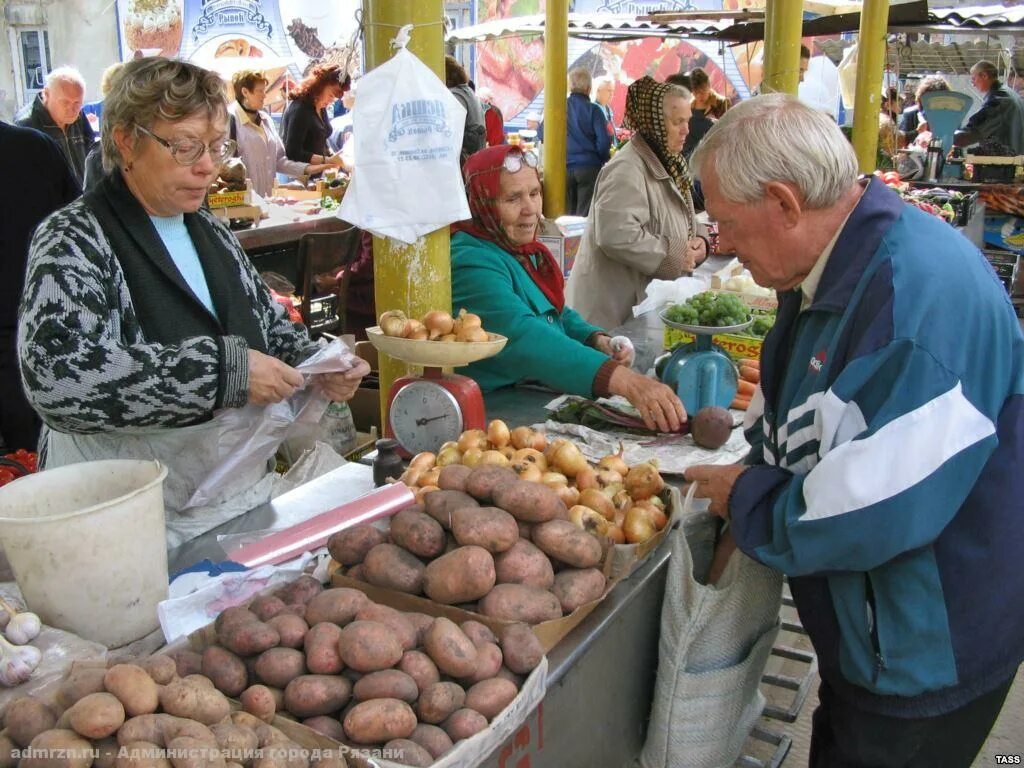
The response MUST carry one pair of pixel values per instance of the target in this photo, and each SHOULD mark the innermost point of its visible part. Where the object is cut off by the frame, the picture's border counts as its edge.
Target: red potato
(312, 695)
(478, 633)
(441, 504)
(485, 479)
(437, 702)
(266, 607)
(517, 602)
(421, 623)
(418, 533)
(25, 718)
(492, 528)
(291, 628)
(338, 606)
(524, 564)
(453, 477)
(450, 649)
(369, 646)
(488, 663)
(162, 669)
(464, 723)
(380, 720)
(397, 621)
(420, 668)
(568, 543)
(330, 727)
(96, 716)
(431, 738)
(302, 590)
(248, 638)
(529, 502)
(408, 752)
(276, 667)
(321, 645)
(463, 575)
(259, 701)
(521, 649)
(386, 684)
(133, 687)
(392, 567)
(349, 547)
(490, 697)
(574, 587)
(225, 670)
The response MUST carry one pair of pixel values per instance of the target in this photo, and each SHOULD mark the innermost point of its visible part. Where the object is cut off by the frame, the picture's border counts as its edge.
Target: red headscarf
(482, 173)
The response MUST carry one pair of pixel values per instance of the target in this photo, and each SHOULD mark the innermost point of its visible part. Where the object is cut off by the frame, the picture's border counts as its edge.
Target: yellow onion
(498, 434)
(656, 515)
(467, 320)
(429, 477)
(392, 322)
(638, 526)
(615, 534)
(414, 329)
(599, 502)
(643, 481)
(473, 333)
(569, 496)
(508, 452)
(438, 323)
(411, 476)
(520, 437)
(533, 456)
(495, 457)
(448, 338)
(419, 493)
(586, 478)
(472, 457)
(554, 445)
(554, 480)
(568, 460)
(424, 460)
(588, 519)
(608, 477)
(614, 462)
(622, 500)
(472, 438)
(448, 444)
(528, 471)
(449, 455)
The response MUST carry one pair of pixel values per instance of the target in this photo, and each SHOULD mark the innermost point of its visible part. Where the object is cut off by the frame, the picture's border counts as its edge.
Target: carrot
(745, 388)
(752, 362)
(749, 373)
(740, 403)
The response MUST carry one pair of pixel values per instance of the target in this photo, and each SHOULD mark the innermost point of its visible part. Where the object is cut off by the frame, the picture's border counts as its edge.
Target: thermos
(933, 162)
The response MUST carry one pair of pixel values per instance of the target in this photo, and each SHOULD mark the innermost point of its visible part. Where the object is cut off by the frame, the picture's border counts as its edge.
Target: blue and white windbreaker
(888, 468)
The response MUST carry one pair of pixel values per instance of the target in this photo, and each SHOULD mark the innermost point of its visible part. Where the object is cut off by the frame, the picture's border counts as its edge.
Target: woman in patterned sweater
(142, 316)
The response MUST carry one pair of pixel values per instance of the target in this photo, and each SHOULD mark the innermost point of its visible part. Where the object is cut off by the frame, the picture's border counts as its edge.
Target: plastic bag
(408, 133)
(661, 292)
(249, 436)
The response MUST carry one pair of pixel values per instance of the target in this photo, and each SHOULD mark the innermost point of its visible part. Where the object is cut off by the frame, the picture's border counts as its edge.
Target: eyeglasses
(514, 161)
(190, 151)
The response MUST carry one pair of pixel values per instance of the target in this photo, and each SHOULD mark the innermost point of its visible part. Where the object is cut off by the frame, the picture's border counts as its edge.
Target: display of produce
(709, 309)
(18, 659)
(750, 377)
(18, 464)
(436, 325)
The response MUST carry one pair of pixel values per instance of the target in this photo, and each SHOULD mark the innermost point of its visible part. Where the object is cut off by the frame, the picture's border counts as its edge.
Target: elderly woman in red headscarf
(502, 272)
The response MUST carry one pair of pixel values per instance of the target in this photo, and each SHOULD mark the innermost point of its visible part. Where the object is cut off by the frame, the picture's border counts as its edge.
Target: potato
(330, 727)
(438, 701)
(489, 697)
(408, 752)
(367, 646)
(462, 575)
(396, 620)
(186, 663)
(235, 740)
(97, 715)
(226, 671)
(339, 606)
(277, 667)
(106, 752)
(321, 646)
(392, 567)
(349, 547)
(379, 720)
(478, 633)
(517, 602)
(174, 727)
(568, 543)
(421, 622)
(186, 752)
(575, 587)
(450, 649)
(488, 662)
(386, 684)
(266, 607)
(26, 717)
(200, 680)
(80, 683)
(291, 628)
(485, 479)
(312, 695)
(58, 748)
(302, 590)
(529, 502)
(432, 739)
(246, 720)
(7, 747)
(295, 609)
(236, 614)
(525, 529)
(463, 723)
(521, 649)
(161, 668)
(258, 701)
(489, 527)
(356, 573)
(417, 532)
(184, 698)
(268, 734)
(507, 674)
(248, 638)
(133, 687)
(440, 505)
(524, 564)
(453, 477)
(141, 754)
(148, 728)
(420, 668)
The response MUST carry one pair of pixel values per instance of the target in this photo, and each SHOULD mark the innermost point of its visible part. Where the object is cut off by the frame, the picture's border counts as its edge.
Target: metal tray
(438, 354)
(705, 329)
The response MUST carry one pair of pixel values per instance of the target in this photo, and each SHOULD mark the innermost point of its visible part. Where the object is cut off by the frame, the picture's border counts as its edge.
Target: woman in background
(306, 125)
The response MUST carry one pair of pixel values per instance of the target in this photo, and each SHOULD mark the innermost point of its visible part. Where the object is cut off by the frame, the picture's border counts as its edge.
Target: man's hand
(340, 387)
(715, 482)
(270, 380)
(658, 405)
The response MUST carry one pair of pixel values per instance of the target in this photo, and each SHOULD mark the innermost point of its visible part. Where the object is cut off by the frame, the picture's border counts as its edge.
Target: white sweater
(262, 151)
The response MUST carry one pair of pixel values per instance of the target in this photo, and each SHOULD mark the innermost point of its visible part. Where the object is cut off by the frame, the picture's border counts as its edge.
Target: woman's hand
(658, 405)
(620, 349)
(270, 380)
(340, 387)
(696, 252)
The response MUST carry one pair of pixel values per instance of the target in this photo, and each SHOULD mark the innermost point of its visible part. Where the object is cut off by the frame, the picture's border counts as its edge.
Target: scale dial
(424, 415)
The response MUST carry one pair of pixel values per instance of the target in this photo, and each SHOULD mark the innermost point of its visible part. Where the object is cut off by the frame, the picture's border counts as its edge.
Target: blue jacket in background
(589, 134)
(886, 475)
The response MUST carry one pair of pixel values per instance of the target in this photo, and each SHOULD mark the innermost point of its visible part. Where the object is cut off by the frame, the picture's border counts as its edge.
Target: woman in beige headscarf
(641, 223)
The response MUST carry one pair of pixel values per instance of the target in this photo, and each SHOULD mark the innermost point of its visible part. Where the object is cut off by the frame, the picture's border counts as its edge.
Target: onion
(637, 526)
(414, 329)
(419, 493)
(620, 517)
(539, 441)
(554, 480)
(608, 477)
(657, 515)
(448, 444)
(614, 462)
(411, 476)
(438, 323)
(474, 333)
(613, 489)
(424, 460)
(643, 481)
(568, 460)
(472, 438)
(554, 445)
(520, 437)
(508, 452)
(622, 500)
(528, 471)
(449, 455)
(569, 496)
(449, 337)
(599, 502)
(495, 457)
(429, 477)
(393, 326)
(587, 478)
(472, 457)
(533, 456)
(391, 313)
(467, 320)
(588, 519)
(615, 534)
(498, 434)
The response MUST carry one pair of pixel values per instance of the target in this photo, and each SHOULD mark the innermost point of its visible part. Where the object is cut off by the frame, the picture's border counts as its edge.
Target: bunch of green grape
(762, 324)
(711, 309)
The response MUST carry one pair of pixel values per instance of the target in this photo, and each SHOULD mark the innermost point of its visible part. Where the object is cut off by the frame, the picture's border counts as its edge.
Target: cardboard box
(737, 346)
(627, 557)
(231, 199)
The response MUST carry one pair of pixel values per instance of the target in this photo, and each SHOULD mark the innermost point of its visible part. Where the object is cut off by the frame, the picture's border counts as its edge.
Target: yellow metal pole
(556, 69)
(874, 22)
(783, 25)
(415, 278)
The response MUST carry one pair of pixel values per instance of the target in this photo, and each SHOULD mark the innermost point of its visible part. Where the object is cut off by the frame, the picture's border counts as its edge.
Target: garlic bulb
(23, 627)
(17, 662)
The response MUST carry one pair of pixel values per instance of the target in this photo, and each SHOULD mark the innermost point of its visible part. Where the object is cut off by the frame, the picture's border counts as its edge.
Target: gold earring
(128, 167)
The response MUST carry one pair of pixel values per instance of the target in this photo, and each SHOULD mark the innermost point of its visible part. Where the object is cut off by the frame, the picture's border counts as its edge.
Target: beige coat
(638, 229)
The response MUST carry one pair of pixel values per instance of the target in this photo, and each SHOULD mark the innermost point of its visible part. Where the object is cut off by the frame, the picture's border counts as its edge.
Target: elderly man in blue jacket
(888, 437)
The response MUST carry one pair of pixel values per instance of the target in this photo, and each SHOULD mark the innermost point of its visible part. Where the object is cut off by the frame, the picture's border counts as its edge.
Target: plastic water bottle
(337, 428)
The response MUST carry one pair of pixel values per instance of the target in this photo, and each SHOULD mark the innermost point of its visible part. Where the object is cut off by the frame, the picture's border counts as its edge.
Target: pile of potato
(486, 542)
(612, 499)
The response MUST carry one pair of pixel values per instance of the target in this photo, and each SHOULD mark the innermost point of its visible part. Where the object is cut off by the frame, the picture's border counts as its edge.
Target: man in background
(1001, 117)
(57, 112)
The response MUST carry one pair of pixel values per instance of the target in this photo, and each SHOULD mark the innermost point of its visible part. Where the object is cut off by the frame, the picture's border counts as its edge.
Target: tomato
(891, 177)
(6, 476)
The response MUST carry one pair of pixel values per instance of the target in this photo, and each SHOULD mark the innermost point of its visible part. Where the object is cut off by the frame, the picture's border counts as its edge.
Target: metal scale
(701, 372)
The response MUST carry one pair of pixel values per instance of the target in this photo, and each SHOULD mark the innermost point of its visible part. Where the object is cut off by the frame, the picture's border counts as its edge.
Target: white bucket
(88, 548)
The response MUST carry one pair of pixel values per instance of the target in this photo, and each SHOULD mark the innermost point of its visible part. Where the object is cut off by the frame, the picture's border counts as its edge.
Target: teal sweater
(543, 344)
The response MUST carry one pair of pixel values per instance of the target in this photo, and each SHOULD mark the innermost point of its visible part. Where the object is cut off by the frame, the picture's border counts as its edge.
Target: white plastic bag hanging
(408, 132)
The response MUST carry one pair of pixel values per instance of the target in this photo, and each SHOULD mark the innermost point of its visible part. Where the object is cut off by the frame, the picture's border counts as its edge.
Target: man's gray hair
(675, 92)
(579, 81)
(64, 75)
(775, 137)
(986, 68)
(155, 88)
